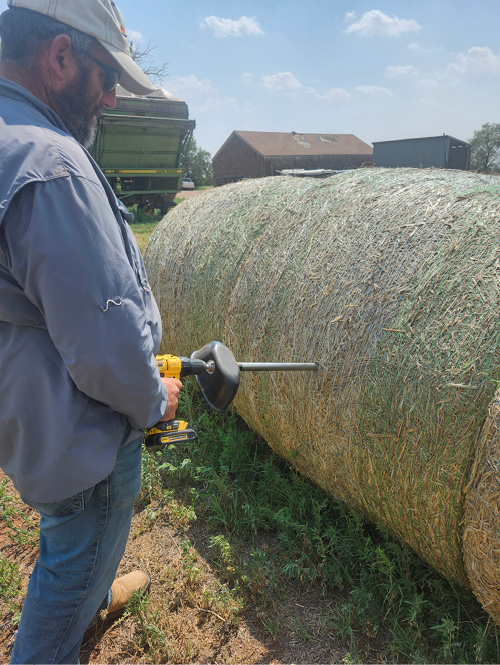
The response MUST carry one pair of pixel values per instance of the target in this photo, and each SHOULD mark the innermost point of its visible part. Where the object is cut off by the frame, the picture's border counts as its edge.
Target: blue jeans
(82, 540)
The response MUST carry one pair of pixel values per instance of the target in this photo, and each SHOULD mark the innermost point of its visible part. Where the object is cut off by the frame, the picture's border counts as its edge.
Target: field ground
(193, 614)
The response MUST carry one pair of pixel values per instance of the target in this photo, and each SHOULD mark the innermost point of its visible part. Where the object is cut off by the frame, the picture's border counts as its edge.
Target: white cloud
(247, 78)
(373, 90)
(135, 36)
(187, 86)
(221, 106)
(350, 16)
(202, 96)
(431, 103)
(227, 27)
(287, 83)
(401, 71)
(333, 94)
(377, 24)
(423, 49)
(283, 81)
(428, 83)
(478, 61)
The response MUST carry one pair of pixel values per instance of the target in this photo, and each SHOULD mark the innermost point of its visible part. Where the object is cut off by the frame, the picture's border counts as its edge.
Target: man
(79, 327)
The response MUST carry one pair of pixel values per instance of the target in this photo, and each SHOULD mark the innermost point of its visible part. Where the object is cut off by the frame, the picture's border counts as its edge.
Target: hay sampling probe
(218, 377)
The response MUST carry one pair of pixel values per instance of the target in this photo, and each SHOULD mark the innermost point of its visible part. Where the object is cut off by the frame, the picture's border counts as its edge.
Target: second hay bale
(390, 279)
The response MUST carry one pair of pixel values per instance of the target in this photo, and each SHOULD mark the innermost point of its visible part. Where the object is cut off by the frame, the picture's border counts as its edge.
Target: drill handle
(169, 366)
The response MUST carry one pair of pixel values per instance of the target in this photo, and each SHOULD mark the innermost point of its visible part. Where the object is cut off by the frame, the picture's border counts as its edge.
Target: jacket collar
(17, 93)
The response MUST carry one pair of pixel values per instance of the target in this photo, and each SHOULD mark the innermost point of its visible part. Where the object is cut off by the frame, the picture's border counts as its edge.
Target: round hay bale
(387, 277)
(482, 516)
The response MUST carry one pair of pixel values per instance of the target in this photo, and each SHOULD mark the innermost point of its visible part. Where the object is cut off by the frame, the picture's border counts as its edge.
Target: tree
(197, 164)
(144, 59)
(485, 148)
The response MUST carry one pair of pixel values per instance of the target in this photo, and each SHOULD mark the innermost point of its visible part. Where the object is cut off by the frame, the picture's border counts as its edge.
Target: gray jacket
(79, 327)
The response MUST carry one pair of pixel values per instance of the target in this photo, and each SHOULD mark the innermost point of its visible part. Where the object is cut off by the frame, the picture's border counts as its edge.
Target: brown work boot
(123, 588)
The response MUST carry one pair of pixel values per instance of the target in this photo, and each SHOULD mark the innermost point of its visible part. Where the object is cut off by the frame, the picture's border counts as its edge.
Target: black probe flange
(220, 385)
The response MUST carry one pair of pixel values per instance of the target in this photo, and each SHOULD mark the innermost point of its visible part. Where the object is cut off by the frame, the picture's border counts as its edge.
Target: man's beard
(77, 107)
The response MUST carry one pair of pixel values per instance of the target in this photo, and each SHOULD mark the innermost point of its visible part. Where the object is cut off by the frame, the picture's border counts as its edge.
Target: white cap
(100, 19)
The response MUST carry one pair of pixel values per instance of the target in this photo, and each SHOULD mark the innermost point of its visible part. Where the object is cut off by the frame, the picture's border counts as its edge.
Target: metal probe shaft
(278, 367)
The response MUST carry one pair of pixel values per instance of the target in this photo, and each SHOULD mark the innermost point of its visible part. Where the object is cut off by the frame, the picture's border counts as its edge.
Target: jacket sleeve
(67, 251)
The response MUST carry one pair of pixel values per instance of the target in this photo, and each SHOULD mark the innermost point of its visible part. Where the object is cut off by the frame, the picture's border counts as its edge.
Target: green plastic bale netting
(390, 279)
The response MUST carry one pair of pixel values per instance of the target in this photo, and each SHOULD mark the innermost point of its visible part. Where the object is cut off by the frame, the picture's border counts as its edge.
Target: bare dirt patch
(189, 193)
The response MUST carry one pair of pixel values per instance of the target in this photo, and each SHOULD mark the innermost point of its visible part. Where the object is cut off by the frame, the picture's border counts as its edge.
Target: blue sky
(380, 70)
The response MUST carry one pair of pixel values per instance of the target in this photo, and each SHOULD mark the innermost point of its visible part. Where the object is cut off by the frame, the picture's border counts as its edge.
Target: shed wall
(423, 153)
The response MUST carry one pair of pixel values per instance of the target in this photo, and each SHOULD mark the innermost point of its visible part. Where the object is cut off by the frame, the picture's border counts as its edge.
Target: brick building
(261, 154)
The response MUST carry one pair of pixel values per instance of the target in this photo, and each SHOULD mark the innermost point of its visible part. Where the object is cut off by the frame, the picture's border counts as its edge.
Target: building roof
(281, 144)
(423, 138)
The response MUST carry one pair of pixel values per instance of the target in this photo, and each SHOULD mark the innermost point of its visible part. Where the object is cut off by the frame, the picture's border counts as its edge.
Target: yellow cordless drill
(175, 431)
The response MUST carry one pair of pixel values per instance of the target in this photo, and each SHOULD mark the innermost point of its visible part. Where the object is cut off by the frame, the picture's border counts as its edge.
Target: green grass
(142, 233)
(10, 588)
(231, 479)
(21, 527)
(22, 530)
(144, 225)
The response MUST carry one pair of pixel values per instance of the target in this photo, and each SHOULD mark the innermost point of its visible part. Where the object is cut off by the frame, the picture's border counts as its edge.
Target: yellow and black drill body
(174, 431)
(177, 367)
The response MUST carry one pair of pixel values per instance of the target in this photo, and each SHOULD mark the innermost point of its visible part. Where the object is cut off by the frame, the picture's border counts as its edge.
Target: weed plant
(10, 587)
(141, 217)
(21, 527)
(232, 480)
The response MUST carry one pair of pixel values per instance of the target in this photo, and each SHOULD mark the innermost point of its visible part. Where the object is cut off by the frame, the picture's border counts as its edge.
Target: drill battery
(172, 431)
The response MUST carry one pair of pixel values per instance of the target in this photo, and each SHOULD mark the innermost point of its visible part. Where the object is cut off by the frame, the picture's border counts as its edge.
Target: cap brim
(132, 78)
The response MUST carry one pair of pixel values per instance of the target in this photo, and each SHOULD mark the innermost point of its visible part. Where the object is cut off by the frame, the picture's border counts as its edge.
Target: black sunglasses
(112, 76)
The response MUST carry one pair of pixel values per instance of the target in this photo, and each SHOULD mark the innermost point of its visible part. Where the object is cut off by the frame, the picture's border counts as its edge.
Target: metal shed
(443, 152)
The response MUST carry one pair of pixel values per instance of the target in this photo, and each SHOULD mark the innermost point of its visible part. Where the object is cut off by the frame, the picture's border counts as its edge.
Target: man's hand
(173, 387)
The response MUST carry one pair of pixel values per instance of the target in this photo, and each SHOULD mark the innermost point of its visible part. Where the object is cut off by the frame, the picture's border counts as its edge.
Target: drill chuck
(193, 366)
